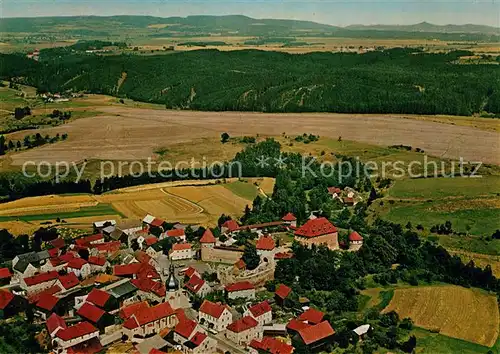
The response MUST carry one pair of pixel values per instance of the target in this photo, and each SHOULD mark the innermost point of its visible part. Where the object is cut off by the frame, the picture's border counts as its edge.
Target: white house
(290, 220)
(198, 286)
(244, 330)
(242, 289)
(262, 312)
(185, 330)
(180, 251)
(265, 246)
(154, 250)
(39, 282)
(79, 333)
(214, 315)
(80, 267)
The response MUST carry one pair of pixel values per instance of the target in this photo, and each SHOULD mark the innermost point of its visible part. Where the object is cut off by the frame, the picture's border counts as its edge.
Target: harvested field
(187, 202)
(134, 134)
(457, 312)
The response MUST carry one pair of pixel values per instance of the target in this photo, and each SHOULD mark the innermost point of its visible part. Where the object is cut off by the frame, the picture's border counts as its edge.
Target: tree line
(398, 80)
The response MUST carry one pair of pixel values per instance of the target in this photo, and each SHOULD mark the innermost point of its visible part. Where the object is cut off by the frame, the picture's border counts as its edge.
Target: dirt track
(136, 133)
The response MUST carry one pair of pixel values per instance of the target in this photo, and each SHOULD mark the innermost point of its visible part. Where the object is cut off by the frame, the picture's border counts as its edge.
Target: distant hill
(429, 27)
(225, 25)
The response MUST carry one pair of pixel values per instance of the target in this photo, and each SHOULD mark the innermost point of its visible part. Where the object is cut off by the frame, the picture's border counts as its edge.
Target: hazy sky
(335, 12)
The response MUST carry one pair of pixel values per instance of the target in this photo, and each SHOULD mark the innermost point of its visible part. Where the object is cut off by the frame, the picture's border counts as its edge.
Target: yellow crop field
(454, 311)
(196, 204)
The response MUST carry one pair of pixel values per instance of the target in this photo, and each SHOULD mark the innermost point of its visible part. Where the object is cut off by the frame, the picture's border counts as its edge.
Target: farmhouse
(39, 282)
(198, 286)
(311, 316)
(68, 281)
(5, 276)
(318, 232)
(180, 251)
(315, 337)
(102, 299)
(214, 315)
(27, 264)
(54, 324)
(281, 294)
(177, 234)
(244, 330)
(150, 321)
(71, 336)
(270, 345)
(262, 312)
(200, 343)
(98, 317)
(80, 267)
(242, 289)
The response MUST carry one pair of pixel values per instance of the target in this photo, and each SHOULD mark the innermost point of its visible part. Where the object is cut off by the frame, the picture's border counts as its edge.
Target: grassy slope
(243, 189)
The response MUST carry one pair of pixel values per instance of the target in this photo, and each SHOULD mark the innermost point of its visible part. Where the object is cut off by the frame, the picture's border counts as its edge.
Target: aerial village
(119, 288)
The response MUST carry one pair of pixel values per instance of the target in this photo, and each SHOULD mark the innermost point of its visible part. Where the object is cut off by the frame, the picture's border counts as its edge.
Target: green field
(426, 188)
(434, 343)
(243, 189)
(100, 209)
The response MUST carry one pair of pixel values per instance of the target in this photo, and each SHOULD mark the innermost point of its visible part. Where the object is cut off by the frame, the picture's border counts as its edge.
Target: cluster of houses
(118, 285)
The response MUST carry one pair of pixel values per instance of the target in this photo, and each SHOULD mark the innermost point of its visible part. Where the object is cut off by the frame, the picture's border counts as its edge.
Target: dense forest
(392, 81)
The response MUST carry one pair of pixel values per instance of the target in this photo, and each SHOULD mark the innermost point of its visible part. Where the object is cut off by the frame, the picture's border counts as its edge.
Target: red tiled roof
(41, 278)
(175, 233)
(151, 240)
(296, 325)
(240, 286)
(265, 243)
(198, 338)
(129, 310)
(85, 241)
(108, 246)
(53, 252)
(58, 243)
(315, 228)
(157, 222)
(78, 330)
(354, 236)
(189, 272)
(142, 256)
(208, 237)
(127, 269)
(98, 297)
(91, 312)
(147, 271)
(312, 316)
(5, 273)
(150, 286)
(97, 260)
(213, 309)
(181, 315)
(47, 302)
(54, 321)
(67, 257)
(181, 246)
(333, 190)
(317, 332)
(149, 315)
(231, 225)
(194, 284)
(240, 264)
(289, 217)
(156, 351)
(5, 298)
(271, 345)
(185, 328)
(77, 263)
(242, 324)
(69, 280)
(282, 255)
(260, 309)
(283, 291)
(33, 299)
